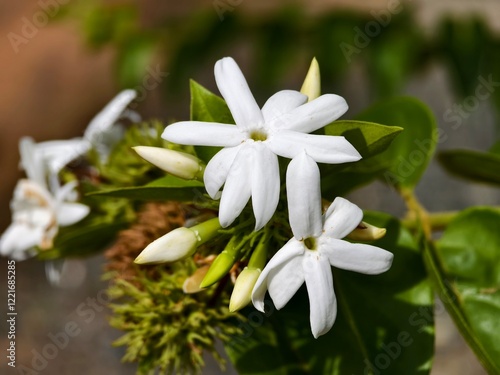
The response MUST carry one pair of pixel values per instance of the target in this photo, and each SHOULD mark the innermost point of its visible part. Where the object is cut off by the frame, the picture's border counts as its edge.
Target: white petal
(281, 103)
(217, 170)
(238, 187)
(67, 192)
(71, 213)
(322, 301)
(284, 281)
(367, 259)
(313, 115)
(18, 239)
(109, 115)
(265, 184)
(197, 133)
(341, 218)
(322, 148)
(292, 249)
(304, 197)
(31, 161)
(234, 88)
(58, 154)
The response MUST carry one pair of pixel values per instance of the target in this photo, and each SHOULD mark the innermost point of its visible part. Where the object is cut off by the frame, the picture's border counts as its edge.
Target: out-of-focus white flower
(101, 134)
(37, 209)
(317, 245)
(247, 166)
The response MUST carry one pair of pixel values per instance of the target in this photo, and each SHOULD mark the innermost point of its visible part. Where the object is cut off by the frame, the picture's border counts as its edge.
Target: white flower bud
(177, 163)
(175, 245)
(242, 292)
(312, 84)
(366, 232)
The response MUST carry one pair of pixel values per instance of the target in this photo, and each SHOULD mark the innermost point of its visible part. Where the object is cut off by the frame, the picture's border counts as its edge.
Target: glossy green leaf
(208, 107)
(411, 152)
(472, 165)
(384, 323)
(165, 188)
(467, 267)
(367, 137)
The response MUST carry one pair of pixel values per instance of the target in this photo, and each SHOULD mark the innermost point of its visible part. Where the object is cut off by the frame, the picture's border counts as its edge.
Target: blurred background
(63, 60)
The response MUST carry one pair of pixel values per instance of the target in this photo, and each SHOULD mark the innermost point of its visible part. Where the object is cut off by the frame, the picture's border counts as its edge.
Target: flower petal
(367, 259)
(217, 170)
(304, 197)
(292, 249)
(341, 218)
(108, 115)
(198, 133)
(71, 213)
(238, 187)
(18, 240)
(58, 154)
(280, 104)
(322, 148)
(31, 161)
(322, 301)
(265, 184)
(313, 115)
(234, 89)
(284, 281)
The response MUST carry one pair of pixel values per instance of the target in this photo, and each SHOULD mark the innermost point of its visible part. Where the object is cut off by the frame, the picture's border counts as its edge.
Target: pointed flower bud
(177, 163)
(242, 292)
(312, 84)
(223, 263)
(179, 243)
(192, 283)
(366, 232)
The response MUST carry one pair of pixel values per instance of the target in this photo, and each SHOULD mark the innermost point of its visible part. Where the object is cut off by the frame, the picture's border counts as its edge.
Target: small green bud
(177, 163)
(366, 232)
(242, 292)
(223, 263)
(312, 84)
(179, 243)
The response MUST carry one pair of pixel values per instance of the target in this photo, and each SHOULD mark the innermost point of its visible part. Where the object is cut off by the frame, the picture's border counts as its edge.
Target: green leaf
(165, 188)
(472, 165)
(467, 269)
(384, 321)
(208, 107)
(367, 137)
(409, 154)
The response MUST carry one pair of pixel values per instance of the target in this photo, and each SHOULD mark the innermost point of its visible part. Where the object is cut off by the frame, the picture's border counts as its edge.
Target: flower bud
(179, 243)
(312, 84)
(177, 163)
(242, 292)
(192, 283)
(366, 232)
(175, 245)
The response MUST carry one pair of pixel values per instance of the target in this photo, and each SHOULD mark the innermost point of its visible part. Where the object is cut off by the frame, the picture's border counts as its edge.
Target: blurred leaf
(409, 154)
(384, 322)
(463, 44)
(134, 61)
(165, 188)
(473, 165)
(469, 278)
(208, 107)
(495, 149)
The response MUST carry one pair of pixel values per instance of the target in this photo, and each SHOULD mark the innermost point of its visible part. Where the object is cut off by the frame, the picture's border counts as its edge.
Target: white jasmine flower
(247, 166)
(317, 245)
(37, 212)
(100, 134)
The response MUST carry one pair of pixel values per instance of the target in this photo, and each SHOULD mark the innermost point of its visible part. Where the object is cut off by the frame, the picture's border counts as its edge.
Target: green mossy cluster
(166, 329)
